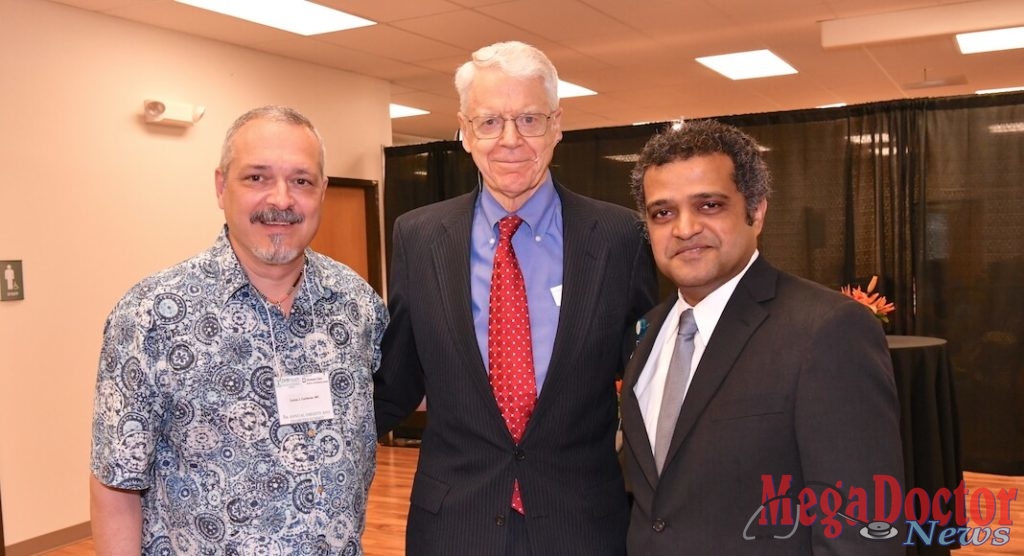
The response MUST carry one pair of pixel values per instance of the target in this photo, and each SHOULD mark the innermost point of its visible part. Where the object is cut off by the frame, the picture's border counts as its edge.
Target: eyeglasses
(528, 125)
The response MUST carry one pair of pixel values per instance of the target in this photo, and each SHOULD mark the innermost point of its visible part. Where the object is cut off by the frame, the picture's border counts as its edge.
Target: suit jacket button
(658, 525)
(520, 454)
(499, 520)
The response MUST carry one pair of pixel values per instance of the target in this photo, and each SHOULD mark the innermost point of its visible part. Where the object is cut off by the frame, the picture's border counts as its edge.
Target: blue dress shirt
(538, 247)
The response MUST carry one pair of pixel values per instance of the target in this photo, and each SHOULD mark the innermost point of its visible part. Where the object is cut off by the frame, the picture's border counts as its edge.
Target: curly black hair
(706, 137)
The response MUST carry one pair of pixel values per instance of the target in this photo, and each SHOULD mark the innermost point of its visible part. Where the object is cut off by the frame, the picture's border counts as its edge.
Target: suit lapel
(583, 250)
(743, 314)
(450, 254)
(635, 432)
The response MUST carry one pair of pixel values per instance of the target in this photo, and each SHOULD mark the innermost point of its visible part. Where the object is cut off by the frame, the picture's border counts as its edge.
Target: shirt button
(499, 520)
(320, 490)
(311, 433)
(659, 525)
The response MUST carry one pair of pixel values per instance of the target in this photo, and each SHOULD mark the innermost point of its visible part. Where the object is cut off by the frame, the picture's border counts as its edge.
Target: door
(350, 227)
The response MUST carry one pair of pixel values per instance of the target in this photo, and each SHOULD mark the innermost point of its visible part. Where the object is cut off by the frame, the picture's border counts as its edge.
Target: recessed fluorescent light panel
(835, 105)
(1011, 127)
(748, 65)
(869, 138)
(1002, 90)
(295, 16)
(400, 111)
(988, 41)
(569, 90)
(630, 158)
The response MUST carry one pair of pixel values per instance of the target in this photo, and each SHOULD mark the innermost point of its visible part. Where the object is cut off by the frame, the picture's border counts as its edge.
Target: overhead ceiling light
(295, 16)
(869, 138)
(748, 65)
(400, 111)
(932, 21)
(1002, 90)
(659, 122)
(834, 105)
(569, 90)
(1010, 127)
(988, 41)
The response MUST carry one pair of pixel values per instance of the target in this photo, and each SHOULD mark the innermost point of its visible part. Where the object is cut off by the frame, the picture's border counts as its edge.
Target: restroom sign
(12, 287)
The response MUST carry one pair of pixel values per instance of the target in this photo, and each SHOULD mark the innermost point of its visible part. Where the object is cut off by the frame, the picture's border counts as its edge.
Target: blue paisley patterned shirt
(185, 409)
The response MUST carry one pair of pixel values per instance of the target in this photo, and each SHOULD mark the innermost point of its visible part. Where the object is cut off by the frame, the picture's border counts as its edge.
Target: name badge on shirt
(302, 398)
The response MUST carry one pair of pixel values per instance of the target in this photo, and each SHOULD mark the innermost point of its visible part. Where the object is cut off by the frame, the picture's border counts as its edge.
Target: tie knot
(507, 227)
(687, 325)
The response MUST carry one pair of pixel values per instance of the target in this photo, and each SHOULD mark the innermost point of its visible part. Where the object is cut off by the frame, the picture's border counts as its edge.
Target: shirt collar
(709, 310)
(222, 257)
(233, 277)
(538, 212)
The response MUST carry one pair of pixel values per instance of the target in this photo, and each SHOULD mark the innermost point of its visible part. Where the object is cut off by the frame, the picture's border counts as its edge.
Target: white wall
(92, 200)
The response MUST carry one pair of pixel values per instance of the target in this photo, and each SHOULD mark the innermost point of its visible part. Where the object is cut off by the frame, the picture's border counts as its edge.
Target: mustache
(276, 216)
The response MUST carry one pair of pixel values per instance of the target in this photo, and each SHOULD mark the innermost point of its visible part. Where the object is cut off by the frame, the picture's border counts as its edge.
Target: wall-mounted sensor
(171, 113)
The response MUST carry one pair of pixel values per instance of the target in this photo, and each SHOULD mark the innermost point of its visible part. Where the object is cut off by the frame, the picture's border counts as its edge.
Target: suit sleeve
(398, 385)
(848, 421)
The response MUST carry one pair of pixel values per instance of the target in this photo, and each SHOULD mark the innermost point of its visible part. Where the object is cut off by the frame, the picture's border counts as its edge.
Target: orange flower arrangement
(618, 392)
(618, 427)
(875, 302)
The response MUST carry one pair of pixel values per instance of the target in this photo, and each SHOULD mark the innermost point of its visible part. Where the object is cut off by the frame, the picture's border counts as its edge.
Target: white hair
(514, 59)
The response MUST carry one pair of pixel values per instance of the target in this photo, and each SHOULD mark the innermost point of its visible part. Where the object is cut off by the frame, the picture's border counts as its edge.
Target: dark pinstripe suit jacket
(566, 464)
(796, 380)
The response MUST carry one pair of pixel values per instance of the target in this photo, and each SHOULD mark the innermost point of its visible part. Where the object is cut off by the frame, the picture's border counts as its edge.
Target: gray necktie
(675, 387)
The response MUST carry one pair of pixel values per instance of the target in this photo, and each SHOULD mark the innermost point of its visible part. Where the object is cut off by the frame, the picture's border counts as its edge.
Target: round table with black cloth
(929, 425)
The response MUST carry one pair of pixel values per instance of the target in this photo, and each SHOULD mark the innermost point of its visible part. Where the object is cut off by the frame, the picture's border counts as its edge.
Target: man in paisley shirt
(233, 409)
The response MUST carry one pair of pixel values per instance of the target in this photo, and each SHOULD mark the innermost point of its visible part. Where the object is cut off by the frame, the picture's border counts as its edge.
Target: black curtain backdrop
(928, 194)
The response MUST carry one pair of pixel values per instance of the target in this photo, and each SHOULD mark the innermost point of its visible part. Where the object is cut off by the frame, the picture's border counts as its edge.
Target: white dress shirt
(650, 387)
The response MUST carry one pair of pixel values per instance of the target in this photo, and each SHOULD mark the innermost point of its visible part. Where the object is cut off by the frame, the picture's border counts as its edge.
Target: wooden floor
(389, 503)
(385, 513)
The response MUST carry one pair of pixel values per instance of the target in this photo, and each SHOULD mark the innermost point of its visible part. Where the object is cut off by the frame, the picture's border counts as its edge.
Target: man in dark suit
(518, 452)
(792, 388)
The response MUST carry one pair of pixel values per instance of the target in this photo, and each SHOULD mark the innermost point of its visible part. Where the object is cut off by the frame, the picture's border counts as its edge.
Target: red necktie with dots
(509, 345)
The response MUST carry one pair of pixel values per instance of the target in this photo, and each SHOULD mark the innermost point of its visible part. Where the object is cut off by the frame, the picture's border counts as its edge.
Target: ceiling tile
(467, 29)
(390, 42)
(663, 16)
(478, 3)
(622, 49)
(95, 5)
(390, 10)
(343, 58)
(447, 65)
(571, 20)
(427, 80)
